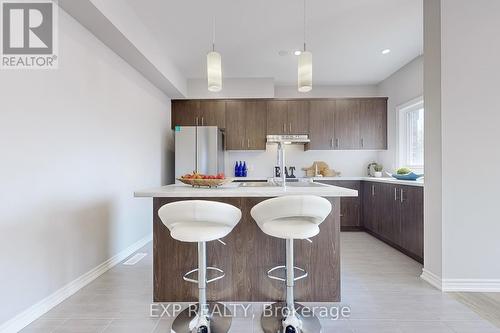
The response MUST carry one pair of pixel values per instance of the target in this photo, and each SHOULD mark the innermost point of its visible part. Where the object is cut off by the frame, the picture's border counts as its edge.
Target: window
(411, 135)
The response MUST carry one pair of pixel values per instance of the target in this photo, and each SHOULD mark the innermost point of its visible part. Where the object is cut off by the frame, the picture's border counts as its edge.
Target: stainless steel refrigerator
(199, 149)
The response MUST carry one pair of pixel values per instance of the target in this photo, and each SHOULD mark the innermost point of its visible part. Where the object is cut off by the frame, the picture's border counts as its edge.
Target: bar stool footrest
(215, 269)
(275, 277)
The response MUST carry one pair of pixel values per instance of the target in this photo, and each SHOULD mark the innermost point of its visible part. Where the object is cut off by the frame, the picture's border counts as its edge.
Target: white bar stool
(201, 221)
(290, 217)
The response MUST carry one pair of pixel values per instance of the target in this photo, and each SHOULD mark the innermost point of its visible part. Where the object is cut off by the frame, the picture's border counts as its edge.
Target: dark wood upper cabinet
(246, 125)
(184, 112)
(255, 125)
(346, 127)
(298, 117)
(277, 117)
(332, 124)
(212, 113)
(373, 123)
(288, 117)
(235, 125)
(321, 124)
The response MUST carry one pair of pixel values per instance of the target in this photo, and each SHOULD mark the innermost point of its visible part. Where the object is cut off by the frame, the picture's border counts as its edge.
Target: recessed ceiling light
(386, 51)
(297, 53)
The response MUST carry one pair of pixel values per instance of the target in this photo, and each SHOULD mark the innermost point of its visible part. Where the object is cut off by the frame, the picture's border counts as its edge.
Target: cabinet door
(321, 119)
(373, 123)
(184, 113)
(298, 117)
(350, 207)
(255, 125)
(368, 194)
(412, 219)
(389, 213)
(347, 124)
(235, 125)
(276, 117)
(212, 113)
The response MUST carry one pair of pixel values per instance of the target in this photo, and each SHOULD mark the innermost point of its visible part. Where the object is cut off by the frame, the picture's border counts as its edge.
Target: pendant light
(214, 67)
(305, 64)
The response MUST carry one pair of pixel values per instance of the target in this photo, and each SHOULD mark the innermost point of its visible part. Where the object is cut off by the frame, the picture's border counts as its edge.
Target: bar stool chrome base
(273, 316)
(219, 314)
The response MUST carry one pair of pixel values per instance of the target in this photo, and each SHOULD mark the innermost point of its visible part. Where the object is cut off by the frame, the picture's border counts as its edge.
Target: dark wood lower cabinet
(394, 214)
(246, 258)
(350, 208)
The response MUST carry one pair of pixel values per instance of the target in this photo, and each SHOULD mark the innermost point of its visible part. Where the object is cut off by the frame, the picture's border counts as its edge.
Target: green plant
(378, 167)
(403, 171)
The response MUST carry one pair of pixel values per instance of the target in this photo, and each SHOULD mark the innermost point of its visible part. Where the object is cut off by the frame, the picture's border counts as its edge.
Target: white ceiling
(346, 37)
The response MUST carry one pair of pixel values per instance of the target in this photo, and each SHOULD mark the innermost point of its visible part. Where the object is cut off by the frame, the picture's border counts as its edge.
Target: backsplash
(262, 163)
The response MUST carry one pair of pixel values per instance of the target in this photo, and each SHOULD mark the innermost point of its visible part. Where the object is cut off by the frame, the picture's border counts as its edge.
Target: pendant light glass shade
(305, 72)
(214, 71)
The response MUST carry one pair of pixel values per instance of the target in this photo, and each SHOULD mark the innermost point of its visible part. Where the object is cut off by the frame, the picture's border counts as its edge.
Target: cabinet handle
(373, 190)
(331, 142)
(362, 143)
(202, 121)
(395, 194)
(401, 197)
(284, 128)
(337, 143)
(290, 128)
(196, 121)
(242, 143)
(248, 143)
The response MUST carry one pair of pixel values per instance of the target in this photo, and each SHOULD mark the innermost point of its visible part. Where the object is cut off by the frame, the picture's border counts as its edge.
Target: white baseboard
(432, 279)
(472, 285)
(26, 317)
(461, 285)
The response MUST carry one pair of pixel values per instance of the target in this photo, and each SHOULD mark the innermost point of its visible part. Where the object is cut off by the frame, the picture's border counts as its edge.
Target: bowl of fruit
(405, 174)
(200, 180)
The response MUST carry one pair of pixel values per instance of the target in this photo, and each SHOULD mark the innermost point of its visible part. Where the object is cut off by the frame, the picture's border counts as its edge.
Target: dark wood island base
(246, 258)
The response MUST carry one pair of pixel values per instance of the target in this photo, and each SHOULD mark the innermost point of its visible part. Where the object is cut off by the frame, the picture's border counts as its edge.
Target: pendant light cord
(213, 35)
(304, 25)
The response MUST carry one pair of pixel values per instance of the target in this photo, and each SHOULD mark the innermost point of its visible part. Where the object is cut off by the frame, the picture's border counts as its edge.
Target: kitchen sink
(257, 184)
(271, 184)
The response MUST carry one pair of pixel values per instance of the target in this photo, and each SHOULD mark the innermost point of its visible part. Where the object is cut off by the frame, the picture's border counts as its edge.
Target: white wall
(233, 88)
(470, 119)
(74, 144)
(401, 87)
(319, 91)
(462, 73)
(433, 243)
(262, 163)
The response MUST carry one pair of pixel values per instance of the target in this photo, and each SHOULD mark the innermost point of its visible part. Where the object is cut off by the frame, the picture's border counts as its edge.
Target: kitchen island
(248, 253)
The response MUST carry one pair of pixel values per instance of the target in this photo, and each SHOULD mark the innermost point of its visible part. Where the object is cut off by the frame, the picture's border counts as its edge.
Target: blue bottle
(237, 169)
(240, 169)
(244, 169)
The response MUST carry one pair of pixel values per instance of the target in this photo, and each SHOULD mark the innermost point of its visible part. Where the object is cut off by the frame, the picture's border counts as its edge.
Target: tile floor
(380, 285)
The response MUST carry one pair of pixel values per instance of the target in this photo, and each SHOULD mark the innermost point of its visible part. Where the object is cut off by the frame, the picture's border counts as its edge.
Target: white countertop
(234, 190)
(419, 182)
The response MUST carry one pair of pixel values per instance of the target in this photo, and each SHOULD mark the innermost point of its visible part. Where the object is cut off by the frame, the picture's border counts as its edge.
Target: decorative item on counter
(405, 174)
(378, 168)
(198, 180)
(370, 170)
(320, 169)
(237, 169)
(244, 170)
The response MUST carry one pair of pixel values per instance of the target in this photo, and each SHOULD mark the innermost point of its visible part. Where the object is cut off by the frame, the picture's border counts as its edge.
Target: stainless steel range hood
(288, 139)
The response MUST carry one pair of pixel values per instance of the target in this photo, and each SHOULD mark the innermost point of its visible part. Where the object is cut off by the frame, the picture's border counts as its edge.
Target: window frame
(402, 110)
